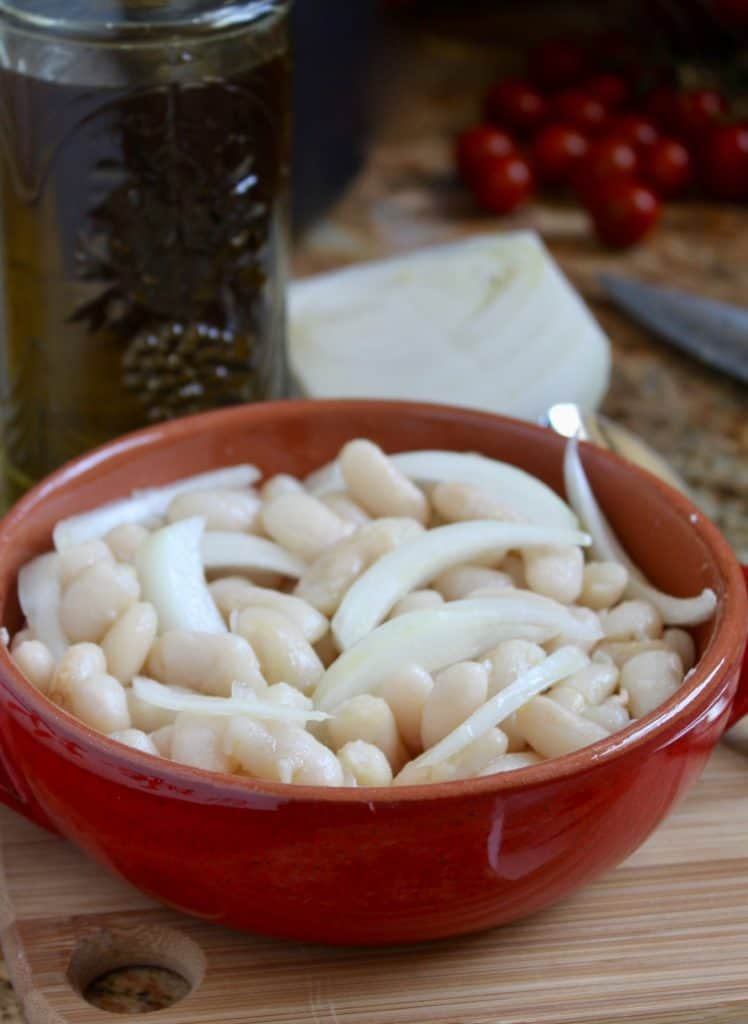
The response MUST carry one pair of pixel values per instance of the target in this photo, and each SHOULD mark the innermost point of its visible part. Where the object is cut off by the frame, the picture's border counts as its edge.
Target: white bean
(285, 655)
(251, 744)
(618, 652)
(509, 660)
(683, 644)
(366, 763)
(555, 572)
(378, 486)
(100, 702)
(650, 679)
(148, 717)
(136, 739)
(612, 714)
(368, 718)
(511, 762)
(456, 502)
(417, 600)
(464, 580)
(346, 508)
(206, 662)
(124, 541)
(21, 637)
(288, 696)
(596, 681)
(603, 584)
(482, 751)
(327, 579)
(311, 763)
(632, 620)
(584, 634)
(95, 598)
(568, 698)
(161, 739)
(127, 643)
(234, 594)
(78, 662)
(303, 524)
(553, 730)
(280, 484)
(34, 659)
(458, 691)
(221, 510)
(406, 692)
(74, 560)
(197, 741)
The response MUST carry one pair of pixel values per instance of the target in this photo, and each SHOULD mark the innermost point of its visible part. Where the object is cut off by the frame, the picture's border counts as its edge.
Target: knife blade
(716, 333)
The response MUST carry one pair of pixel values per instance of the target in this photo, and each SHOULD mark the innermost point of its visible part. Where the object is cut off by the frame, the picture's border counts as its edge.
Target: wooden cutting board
(661, 940)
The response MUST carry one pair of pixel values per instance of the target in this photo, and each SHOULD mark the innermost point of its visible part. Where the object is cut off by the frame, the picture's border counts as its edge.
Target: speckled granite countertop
(407, 197)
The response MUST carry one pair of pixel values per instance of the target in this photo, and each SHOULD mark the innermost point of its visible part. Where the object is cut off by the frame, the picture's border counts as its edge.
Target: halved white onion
(150, 692)
(39, 597)
(146, 503)
(226, 551)
(374, 594)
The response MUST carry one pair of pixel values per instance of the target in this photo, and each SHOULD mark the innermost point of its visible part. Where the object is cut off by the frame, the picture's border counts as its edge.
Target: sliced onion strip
(159, 696)
(225, 551)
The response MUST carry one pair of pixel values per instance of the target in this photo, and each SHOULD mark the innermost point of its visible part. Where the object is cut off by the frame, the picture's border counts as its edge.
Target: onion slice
(226, 551)
(676, 611)
(39, 597)
(522, 493)
(170, 571)
(147, 503)
(439, 637)
(541, 677)
(158, 696)
(374, 594)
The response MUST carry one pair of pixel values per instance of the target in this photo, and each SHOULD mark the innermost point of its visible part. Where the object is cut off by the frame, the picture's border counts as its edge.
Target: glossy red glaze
(369, 866)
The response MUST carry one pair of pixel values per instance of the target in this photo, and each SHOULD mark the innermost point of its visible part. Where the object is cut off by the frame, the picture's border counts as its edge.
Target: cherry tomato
(661, 106)
(607, 158)
(725, 163)
(479, 142)
(581, 109)
(502, 183)
(515, 105)
(623, 212)
(698, 110)
(667, 167)
(612, 90)
(639, 131)
(557, 150)
(556, 63)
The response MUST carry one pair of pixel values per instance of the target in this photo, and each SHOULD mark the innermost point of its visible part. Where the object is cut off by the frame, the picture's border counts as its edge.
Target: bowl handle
(740, 703)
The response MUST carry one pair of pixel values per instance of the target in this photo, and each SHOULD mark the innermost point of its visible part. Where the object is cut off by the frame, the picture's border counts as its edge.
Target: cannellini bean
(553, 730)
(303, 524)
(456, 503)
(198, 741)
(514, 566)
(327, 579)
(125, 540)
(285, 655)
(365, 763)
(161, 740)
(464, 580)
(34, 659)
(650, 679)
(206, 662)
(586, 632)
(234, 594)
(221, 510)
(481, 752)
(603, 584)
(95, 598)
(568, 698)
(100, 702)
(509, 660)
(612, 714)
(632, 620)
(458, 691)
(378, 486)
(282, 693)
(136, 739)
(74, 560)
(368, 718)
(127, 643)
(280, 484)
(417, 600)
(21, 637)
(406, 692)
(683, 644)
(147, 717)
(618, 652)
(311, 762)
(596, 681)
(79, 662)
(251, 744)
(511, 762)
(554, 572)
(344, 506)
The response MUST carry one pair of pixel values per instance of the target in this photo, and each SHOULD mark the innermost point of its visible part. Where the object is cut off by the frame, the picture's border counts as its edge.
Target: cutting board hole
(139, 969)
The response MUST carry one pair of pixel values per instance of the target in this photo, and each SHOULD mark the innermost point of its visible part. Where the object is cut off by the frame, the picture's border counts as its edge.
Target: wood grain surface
(661, 940)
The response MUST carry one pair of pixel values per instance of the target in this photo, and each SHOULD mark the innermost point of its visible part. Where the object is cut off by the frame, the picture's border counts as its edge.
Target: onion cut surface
(39, 595)
(676, 611)
(158, 696)
(408, 567)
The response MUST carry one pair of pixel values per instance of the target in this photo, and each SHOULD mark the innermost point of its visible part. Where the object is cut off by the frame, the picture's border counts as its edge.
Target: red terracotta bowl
(369, 866)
